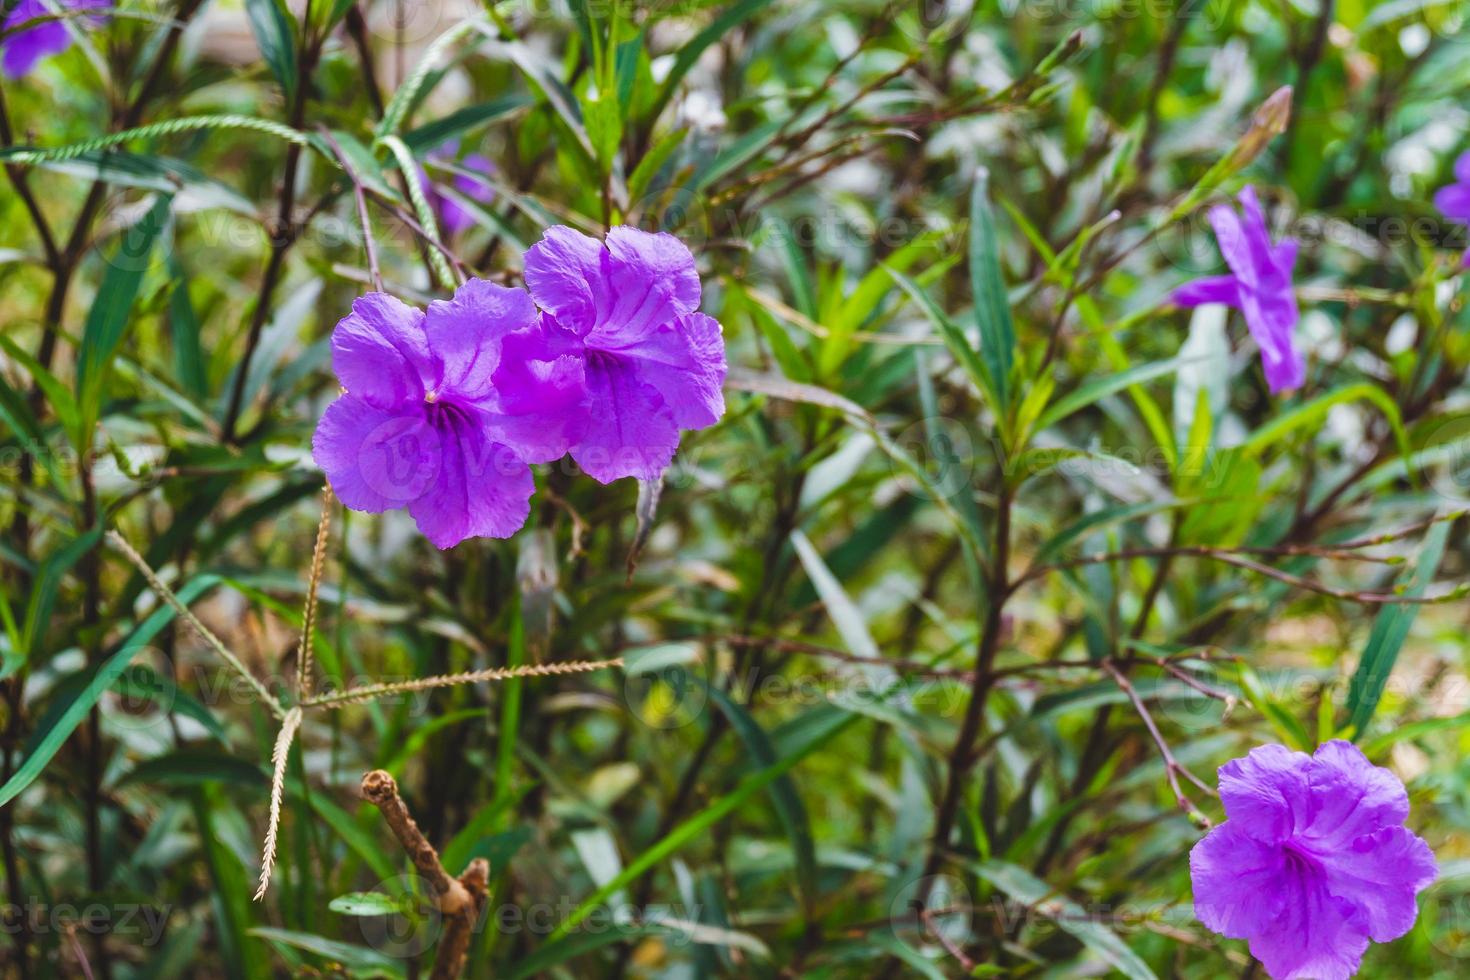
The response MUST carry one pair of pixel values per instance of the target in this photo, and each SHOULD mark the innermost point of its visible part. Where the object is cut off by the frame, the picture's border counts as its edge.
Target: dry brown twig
(460, 900)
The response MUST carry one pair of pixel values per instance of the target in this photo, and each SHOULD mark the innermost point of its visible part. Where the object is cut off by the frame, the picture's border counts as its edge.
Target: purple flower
(624, 313)
(452, 216)
(24, 49)
(1313, 862)
(1453, 200)
(424, 423)
(1259, 285)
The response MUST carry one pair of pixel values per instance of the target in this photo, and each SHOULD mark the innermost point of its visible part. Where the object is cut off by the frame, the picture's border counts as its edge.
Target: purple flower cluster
(443, 410)
(25, 49)
(1313, 862)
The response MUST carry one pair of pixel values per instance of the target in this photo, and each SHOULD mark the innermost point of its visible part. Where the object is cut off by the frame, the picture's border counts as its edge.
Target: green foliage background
(941, 243)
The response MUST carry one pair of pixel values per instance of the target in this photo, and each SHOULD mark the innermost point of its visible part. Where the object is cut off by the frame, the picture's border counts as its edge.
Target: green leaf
(1310, 415)
(50, 742)
(1070, 917)
(43, 595)
(368, 903)
(653, 161)
(1390, 629)
(111, 312)
(733, 16)
(1099, 388)
(365, 962)
(457, 123)
(196, 767)
(240, 957)
(60, 400)
(184, 331)
(992, 306)
(691, 829)
(271, 26)
(954, 338)
(784, 796)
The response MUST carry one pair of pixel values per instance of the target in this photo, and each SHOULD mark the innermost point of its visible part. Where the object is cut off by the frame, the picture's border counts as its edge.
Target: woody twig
(460, 900)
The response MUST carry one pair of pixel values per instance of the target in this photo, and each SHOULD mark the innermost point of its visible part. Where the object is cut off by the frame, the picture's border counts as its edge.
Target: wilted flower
(24, 49)
(1259, 285)
(1453, 200)
(1313, 862)
(624, 311)
(421, 423)
(452, 217)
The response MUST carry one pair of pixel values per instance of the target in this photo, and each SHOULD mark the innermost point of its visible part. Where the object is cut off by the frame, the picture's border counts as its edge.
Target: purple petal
(1462, 167)
(24, 50)
(1317, 936)
(541, 410)
(1381, 874)
(464, 335)
(685, 361)
(1257, 235)
(1453, 201)
(482, 488)
(1271, 318)
(475, 188)
(1267, 793)
(379, 351)
(1235, 878)
(1210, 289)
(454, 217)
(1354, 797)
(649, 279)
(562, 271)
(1231, 237)
(1283, 257)
(630, 430)
(376, 459)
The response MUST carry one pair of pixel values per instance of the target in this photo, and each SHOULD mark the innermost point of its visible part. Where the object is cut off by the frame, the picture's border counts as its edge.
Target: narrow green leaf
(43, 595)
(954, 338)
(1099, 388)
(1390, 629)
(733, 16)
(784, 796)
(60, 400)
(689, 830)
(51, 741)
(111, 311)
(992, 306)
(271, 26)
(461, 121)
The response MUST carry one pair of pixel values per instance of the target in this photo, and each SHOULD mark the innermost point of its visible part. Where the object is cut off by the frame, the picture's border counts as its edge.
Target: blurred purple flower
(452, 216)
(421, 423)
(1313, 862)
(1453, 200)
(624, 313)
(1259, 285)
(25, 49)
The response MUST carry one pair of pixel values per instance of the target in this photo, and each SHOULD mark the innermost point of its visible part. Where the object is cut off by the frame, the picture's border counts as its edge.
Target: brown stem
(963, 756)
(283, 236)
(460, 900)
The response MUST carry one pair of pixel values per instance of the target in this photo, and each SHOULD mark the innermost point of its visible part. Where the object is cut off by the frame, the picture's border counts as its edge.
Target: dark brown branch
(460, 900)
